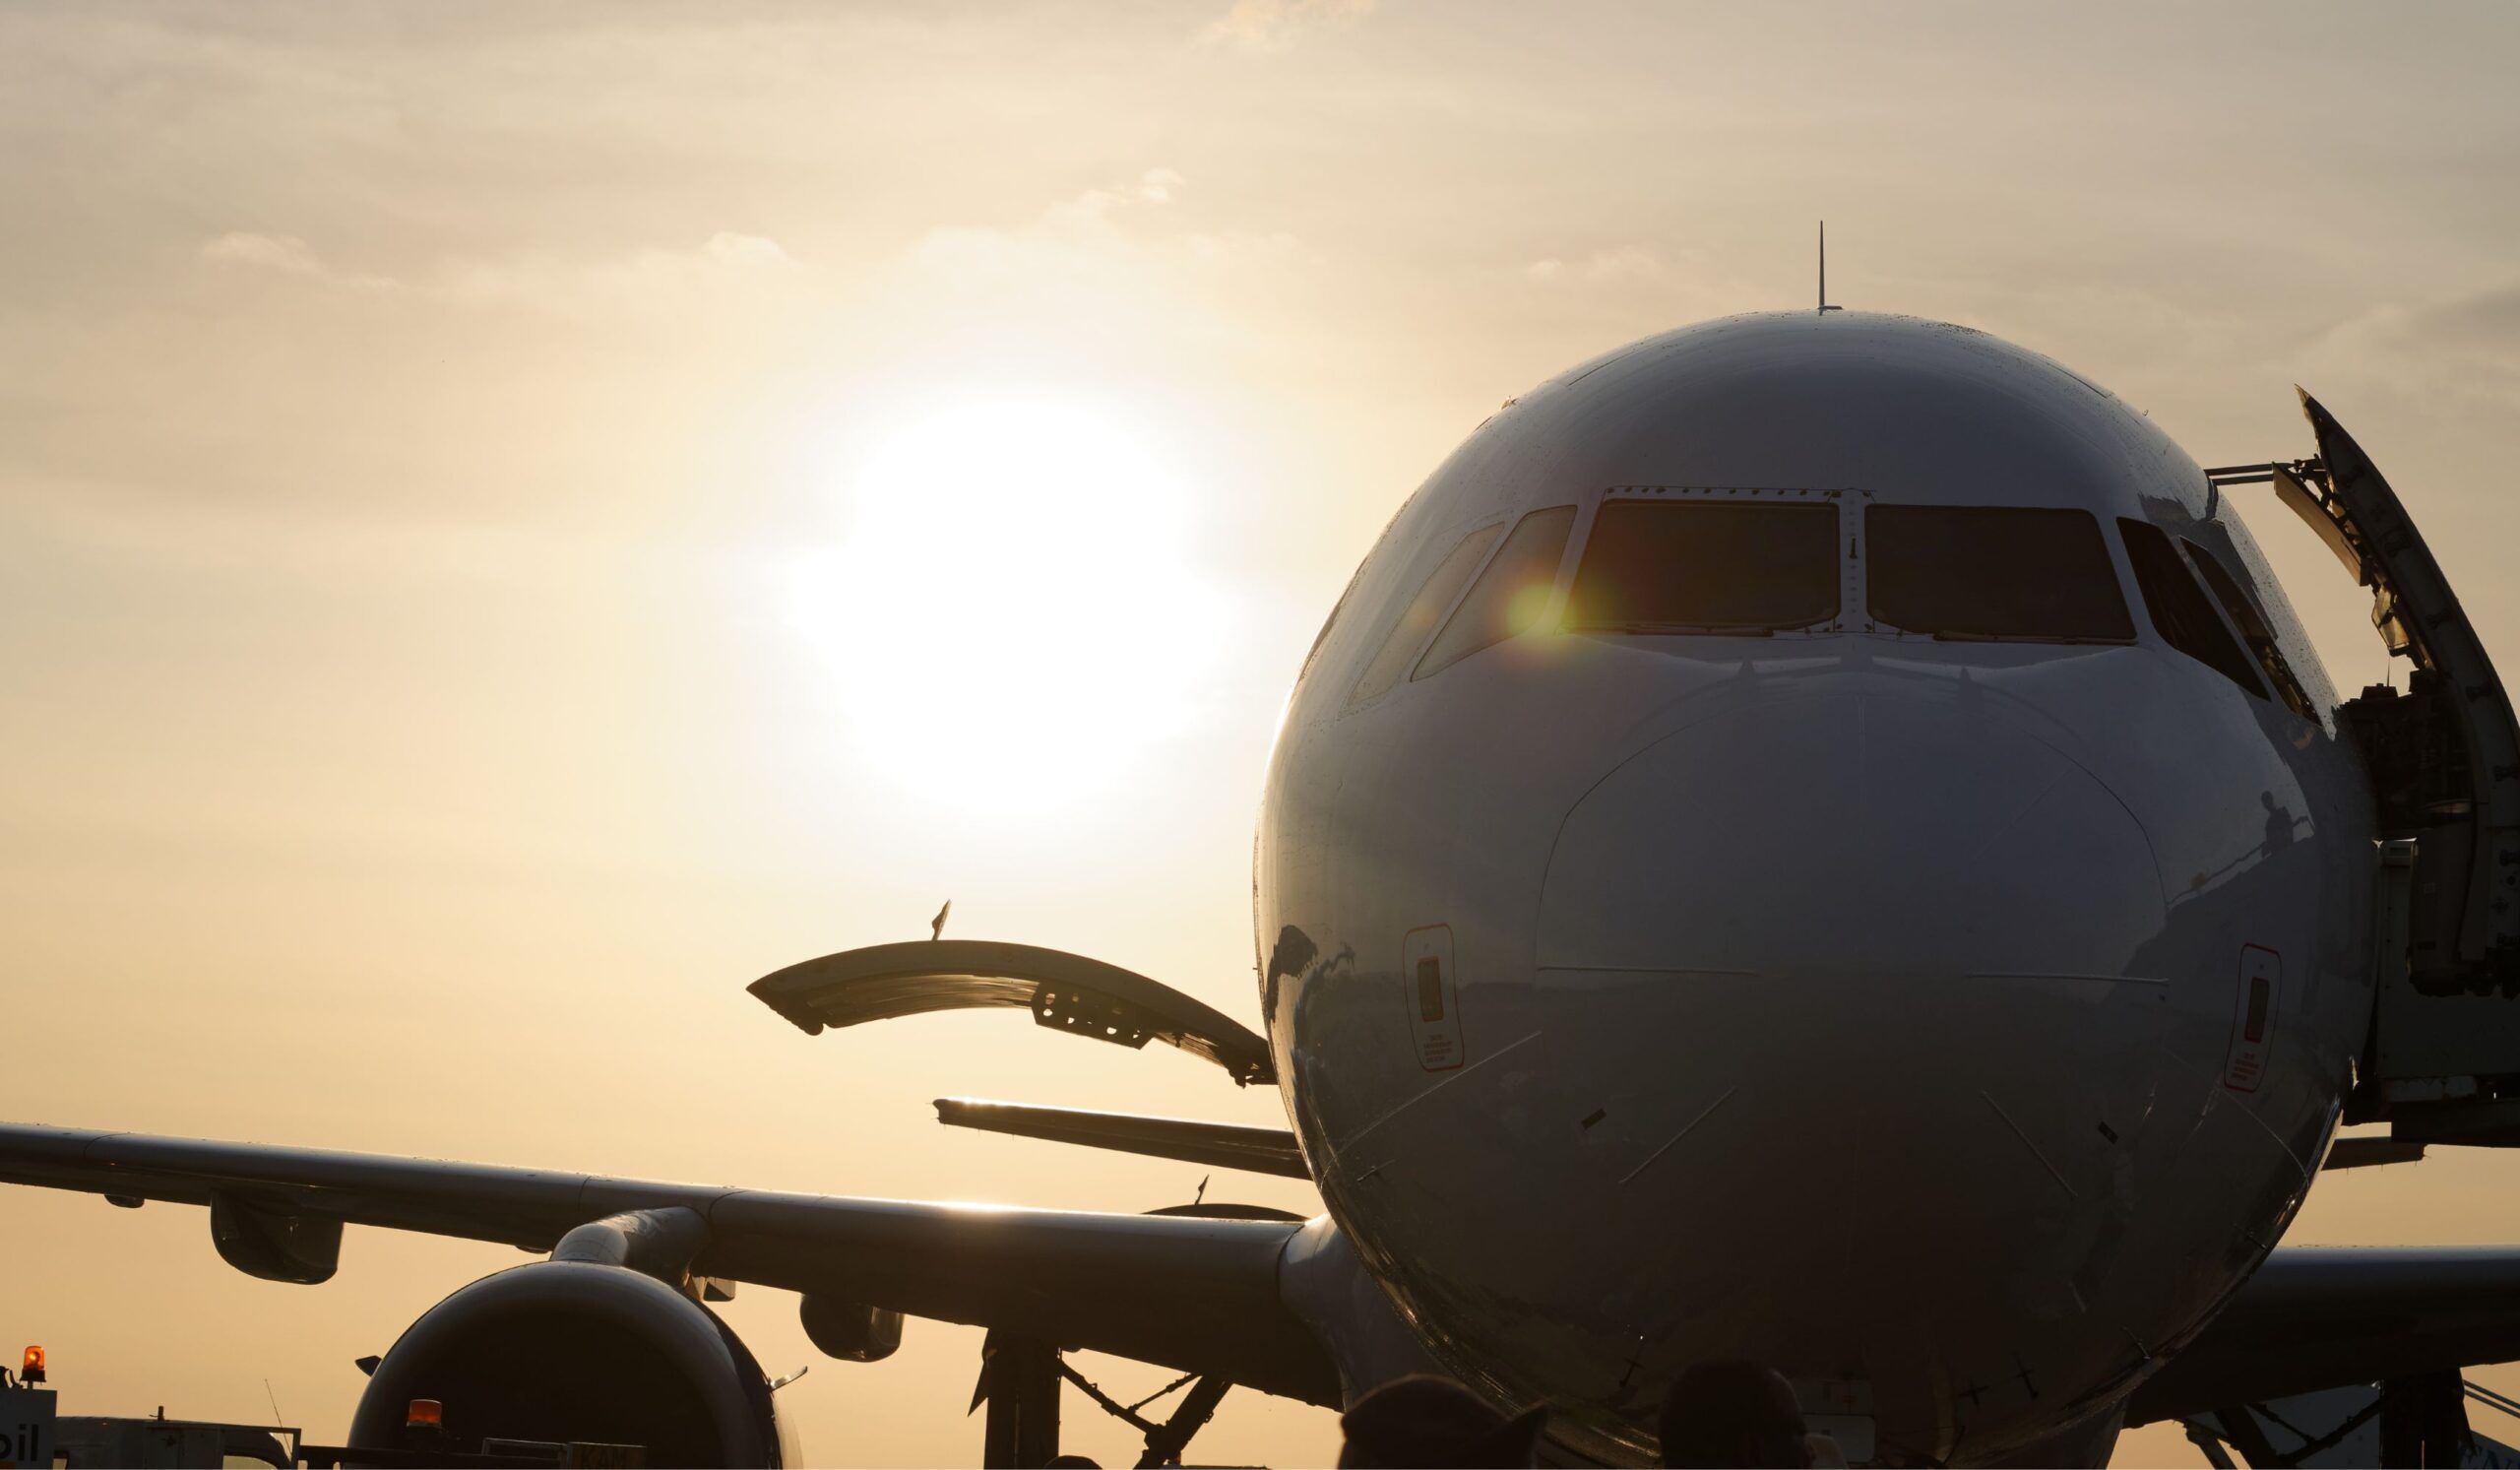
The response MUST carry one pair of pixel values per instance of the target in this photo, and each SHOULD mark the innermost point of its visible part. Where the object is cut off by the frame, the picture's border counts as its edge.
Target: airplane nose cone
(1850, 990)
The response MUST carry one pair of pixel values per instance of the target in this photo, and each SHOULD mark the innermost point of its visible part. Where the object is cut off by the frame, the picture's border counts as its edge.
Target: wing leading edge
(1198, 1295)
(1225, 1145)
(2317, 1317)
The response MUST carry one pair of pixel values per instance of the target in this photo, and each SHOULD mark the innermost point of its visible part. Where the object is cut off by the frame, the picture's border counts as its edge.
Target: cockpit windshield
(1697, 566)
(2001, 574)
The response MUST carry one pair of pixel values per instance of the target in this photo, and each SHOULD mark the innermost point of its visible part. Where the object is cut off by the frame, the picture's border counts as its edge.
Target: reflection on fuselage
(1861, 991)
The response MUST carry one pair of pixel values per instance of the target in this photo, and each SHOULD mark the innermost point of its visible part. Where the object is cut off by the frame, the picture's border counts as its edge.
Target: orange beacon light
(30, 1368)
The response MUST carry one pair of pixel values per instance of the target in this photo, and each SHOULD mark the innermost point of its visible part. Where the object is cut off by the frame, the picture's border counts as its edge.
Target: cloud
(645, 274)
(277, 252)
(649, 275)
(1116, 220)
(1633, 277)
(1275, 25)
(2465, 349)
(1107, 228)
(1156, 187)
(1131, 276)
(1618, 264)
(727, 249)
(284, 253)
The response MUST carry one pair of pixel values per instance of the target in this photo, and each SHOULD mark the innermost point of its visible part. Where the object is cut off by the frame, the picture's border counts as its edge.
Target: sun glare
(1013, 616)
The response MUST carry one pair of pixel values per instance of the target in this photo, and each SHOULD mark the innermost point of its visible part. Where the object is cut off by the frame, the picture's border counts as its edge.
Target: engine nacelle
(567, 1351)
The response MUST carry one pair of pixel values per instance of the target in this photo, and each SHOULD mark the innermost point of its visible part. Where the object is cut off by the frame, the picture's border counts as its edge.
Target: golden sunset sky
(517, 520)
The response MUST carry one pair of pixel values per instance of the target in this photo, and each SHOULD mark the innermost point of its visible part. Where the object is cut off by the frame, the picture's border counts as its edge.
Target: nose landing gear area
(2414, 1421)
(1021, 1380)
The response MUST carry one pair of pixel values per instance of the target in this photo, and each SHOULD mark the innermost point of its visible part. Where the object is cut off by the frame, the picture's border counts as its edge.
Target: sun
(1015, 617)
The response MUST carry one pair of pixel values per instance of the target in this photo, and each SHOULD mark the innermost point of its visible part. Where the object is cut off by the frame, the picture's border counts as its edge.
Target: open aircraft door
(2444, 1062)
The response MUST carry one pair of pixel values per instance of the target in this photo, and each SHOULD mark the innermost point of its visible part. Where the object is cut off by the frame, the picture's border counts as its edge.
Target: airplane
(1816, 837)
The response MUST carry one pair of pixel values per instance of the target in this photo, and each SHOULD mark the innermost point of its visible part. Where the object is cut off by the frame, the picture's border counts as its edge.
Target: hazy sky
(515, 520)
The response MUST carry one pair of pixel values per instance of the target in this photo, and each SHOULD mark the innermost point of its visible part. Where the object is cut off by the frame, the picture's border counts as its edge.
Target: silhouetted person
(2279, 825)
(1421, 1421)
(1732, 1413)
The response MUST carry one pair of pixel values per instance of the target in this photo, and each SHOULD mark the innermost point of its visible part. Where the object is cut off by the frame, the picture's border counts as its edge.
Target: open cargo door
(2444, 760)
(1064, 991)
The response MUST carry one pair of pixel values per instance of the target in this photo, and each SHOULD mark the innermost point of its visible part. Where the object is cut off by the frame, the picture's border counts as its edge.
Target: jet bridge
(2444, 1060)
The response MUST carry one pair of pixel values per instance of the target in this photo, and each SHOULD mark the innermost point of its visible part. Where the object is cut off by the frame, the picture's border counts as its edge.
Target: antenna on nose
(1825, 307)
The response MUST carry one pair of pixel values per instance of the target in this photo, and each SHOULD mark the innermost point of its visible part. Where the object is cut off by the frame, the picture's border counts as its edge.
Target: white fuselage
(1864, 1003)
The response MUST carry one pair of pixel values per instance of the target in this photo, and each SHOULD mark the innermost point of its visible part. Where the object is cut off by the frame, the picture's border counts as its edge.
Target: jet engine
(574, 1352)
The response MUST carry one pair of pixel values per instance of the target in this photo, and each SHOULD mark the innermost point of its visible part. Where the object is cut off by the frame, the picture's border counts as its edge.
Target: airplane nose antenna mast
(1825, 307)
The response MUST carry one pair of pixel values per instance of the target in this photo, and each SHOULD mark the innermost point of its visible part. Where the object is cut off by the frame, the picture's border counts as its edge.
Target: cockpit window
(1511, 594)
(1998, 574)
(1418, 619)
(2253, 629)
(2179, 612)
(1697, 566)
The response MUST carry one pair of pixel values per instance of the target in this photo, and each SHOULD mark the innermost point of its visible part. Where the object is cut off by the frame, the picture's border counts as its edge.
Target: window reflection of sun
(1013, 617)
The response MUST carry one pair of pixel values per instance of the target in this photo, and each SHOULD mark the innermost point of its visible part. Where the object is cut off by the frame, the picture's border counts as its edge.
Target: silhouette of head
(1732, 1413)
(1423, 1421)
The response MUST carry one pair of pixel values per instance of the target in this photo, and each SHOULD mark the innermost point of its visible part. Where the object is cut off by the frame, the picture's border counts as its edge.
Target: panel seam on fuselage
(2052, 1171)
(2115, 980)
(1685, 1130)
(1414, 1099)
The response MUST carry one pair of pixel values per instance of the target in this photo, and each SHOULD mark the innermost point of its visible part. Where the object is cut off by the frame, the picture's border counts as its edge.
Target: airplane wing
(1225, 1145)
(1195, 1293)
(2315, 1317)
